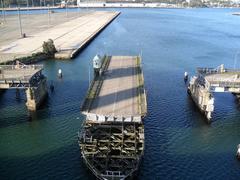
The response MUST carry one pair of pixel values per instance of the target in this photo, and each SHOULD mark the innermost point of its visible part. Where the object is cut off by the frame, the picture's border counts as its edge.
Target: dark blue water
(179, 144)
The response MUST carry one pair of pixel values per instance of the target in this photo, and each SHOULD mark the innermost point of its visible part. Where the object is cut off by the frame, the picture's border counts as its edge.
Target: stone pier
(36, 95)
(213, 80)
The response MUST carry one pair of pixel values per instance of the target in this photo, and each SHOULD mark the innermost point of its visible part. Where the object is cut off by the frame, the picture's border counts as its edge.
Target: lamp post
(20, 23)
(89, 75)
(49, 17)
(66, 7)
(3, 10)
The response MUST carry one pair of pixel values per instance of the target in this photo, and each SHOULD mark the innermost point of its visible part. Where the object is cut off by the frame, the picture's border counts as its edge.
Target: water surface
(179, 144)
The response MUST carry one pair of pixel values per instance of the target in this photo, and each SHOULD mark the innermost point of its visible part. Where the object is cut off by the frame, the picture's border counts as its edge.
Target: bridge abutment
(202, 97)
(36, 95)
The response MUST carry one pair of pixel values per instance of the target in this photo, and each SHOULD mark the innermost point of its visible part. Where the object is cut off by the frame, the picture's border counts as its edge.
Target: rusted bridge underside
(210, 80)
(112, 137)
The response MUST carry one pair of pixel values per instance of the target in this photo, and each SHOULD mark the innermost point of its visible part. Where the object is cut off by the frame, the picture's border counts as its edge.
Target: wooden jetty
(28, 77)
(211, 80)
(112, 136)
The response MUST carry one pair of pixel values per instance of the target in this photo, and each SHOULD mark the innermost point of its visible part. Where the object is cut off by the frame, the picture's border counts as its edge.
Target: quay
(112, 136)
(213, 80)
(28, 77)
(69, 38)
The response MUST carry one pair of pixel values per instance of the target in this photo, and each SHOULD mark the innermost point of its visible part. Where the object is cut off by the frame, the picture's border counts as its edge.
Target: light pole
(66, 7)
(89, 75)
(3, 10)
(49, 18)
(20, 23)
(28, 6)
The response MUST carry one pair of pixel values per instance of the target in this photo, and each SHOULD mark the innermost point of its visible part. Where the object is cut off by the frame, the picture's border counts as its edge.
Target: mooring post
(17, 94)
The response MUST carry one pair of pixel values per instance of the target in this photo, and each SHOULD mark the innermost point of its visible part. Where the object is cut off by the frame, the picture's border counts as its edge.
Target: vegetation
(49, 48)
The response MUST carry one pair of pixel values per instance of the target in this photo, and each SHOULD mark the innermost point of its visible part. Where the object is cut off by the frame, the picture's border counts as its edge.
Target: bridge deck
(223, 77)
(18, 74)
(119, 94)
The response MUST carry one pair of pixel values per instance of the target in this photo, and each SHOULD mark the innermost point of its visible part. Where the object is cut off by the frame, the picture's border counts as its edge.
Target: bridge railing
(226, 84)
(217, 71)
(21, 67)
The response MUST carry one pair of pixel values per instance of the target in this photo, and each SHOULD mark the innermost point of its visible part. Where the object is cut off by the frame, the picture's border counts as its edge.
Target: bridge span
(28, 77)
(210, 80)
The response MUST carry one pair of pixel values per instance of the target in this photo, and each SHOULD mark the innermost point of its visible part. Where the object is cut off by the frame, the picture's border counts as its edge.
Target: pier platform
(69, 37)
(112, 136)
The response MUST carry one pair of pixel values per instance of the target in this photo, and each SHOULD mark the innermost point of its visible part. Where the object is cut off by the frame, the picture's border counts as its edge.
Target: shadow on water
(62, 163)
(164, 166)
(194, 108)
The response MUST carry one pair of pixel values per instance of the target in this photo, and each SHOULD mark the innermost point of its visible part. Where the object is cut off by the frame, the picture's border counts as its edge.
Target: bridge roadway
(120, 94)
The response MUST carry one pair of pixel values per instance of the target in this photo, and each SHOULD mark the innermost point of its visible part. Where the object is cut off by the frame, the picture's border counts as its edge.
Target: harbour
(178, 142)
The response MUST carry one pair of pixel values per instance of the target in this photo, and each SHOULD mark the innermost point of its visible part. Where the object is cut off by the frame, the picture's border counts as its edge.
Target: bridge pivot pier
(202, 97)
(36, 95)
(27, 77)
(213, 80)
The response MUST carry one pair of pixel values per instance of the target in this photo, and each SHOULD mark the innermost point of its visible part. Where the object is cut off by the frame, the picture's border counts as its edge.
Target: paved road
(118, 94)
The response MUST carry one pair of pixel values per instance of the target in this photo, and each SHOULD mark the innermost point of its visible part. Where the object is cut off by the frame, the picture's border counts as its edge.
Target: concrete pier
(212, 80)
(28, 77)
(36, 95)
(68, 37)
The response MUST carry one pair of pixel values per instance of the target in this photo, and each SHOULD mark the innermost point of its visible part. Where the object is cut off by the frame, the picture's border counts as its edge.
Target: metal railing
(217, 71)
(21, 67)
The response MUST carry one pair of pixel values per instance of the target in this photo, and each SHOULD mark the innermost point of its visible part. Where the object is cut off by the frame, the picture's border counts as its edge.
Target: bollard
(185, 77)
(238, 152)
(59, 73)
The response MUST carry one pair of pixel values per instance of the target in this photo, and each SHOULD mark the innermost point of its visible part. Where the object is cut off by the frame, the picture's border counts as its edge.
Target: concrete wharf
(112, 136)
(28, 77)
(69, 37)
(213, 80)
